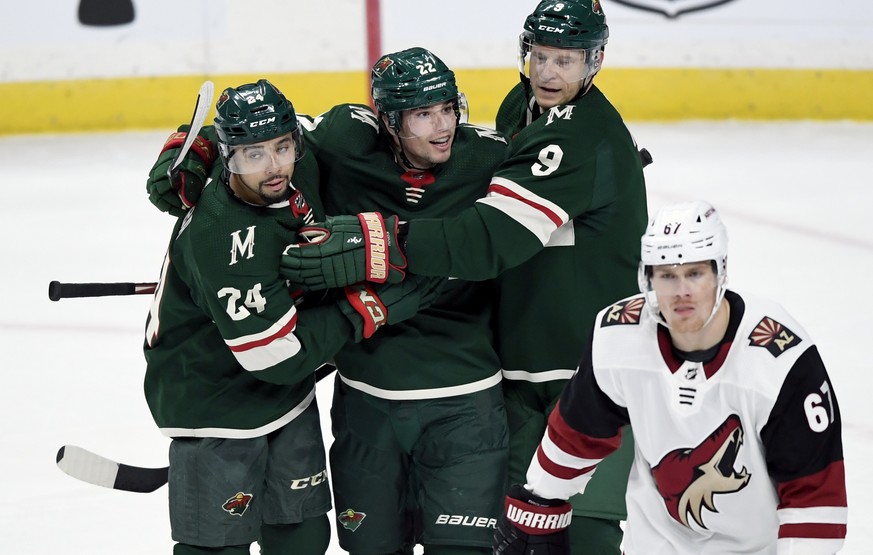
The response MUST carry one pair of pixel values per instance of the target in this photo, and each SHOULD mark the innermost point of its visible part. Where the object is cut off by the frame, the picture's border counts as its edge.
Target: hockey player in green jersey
(560, 225)
(418, 416)
(420, 447)
(230, 358)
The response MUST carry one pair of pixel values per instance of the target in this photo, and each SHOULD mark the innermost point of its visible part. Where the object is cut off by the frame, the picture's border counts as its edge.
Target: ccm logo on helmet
(262, 122)
(550, 29)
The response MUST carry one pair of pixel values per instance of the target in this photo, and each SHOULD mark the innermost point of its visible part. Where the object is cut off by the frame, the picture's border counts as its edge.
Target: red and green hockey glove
(176, 198)
(369, 307)
(345, 250)
(532, 525)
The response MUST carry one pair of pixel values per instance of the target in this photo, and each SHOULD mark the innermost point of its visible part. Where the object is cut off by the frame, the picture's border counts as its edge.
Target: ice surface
(796, 199)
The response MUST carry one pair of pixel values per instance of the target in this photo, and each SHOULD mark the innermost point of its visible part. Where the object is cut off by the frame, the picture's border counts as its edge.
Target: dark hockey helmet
(567, 24)
(410, 79)
(576, 24)
(253, 113)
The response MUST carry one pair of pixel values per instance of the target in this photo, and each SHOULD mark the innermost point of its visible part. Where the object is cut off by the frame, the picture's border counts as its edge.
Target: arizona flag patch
(623, 313)
(773, 336)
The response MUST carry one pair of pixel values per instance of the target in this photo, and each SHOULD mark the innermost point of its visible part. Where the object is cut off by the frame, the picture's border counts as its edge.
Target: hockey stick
(95, 469)
(58, 290)
(201, 109)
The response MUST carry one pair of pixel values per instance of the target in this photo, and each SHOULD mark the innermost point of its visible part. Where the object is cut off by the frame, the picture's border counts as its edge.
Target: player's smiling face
(556, 74)
(427, 134)
(686, 295)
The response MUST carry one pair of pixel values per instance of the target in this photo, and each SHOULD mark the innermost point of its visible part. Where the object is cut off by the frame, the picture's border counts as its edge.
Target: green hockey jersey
(561, 226)
(447, 348)
(228, 353)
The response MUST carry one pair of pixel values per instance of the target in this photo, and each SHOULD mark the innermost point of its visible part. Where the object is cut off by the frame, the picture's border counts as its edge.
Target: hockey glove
(369, 307)
(178, 197)
(345, 250)
(532, 525)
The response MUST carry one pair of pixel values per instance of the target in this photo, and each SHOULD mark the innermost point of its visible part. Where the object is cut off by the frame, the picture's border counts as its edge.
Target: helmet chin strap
(404, 160)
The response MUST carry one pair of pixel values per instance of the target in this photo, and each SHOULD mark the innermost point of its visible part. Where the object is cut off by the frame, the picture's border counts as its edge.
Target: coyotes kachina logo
(672, 8)
(627, 312)
(773, 336)
(350, 519)
(688, 479)
(238, 504)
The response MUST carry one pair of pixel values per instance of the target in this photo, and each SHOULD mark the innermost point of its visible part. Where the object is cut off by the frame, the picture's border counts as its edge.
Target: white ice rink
(796, 198)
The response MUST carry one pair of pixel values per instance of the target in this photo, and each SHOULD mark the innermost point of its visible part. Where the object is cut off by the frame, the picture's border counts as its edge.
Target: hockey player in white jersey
(737, 427)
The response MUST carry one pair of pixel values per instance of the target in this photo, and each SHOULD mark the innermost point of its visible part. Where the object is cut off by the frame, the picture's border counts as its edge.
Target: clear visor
(549, 64)
(261, 157)
(435, 119)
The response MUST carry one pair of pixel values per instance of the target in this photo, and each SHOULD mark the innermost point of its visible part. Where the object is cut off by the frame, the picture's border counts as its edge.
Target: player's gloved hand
(369, 307)
(345, 250)
(532, 525)
(177, 197)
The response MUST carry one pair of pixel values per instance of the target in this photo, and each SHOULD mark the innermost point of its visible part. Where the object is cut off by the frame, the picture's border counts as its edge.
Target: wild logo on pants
(238, 504)
(350, 519)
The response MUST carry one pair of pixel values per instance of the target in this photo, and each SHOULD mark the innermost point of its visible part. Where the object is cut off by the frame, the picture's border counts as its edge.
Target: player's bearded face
(261, 173)
(556, 74)
(267, 187)
(686, 294)
(427, 134)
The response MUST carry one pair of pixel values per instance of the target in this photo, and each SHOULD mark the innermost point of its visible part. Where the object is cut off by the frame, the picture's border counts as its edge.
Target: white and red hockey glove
(344, 250)
(532, 525)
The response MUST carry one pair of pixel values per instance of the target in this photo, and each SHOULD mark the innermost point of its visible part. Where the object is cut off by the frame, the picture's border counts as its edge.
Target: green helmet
(410, 79)
(253, 113)
(567, 24)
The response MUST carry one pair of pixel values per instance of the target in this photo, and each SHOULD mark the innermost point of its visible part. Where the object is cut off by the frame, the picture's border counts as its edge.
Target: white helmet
(680, 234)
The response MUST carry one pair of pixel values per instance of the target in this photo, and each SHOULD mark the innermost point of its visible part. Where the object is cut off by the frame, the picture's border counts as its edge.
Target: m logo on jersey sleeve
(688, 479)
(773, 336)
(623, 313)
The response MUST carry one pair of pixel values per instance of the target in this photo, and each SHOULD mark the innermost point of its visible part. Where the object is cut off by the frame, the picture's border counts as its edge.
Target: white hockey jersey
(738, 454)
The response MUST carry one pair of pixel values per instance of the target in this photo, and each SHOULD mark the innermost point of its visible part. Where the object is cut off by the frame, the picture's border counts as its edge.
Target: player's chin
(271, 195)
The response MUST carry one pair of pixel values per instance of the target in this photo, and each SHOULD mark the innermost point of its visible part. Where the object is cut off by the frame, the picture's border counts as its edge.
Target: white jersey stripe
(562, 458)
(266, 349)
(823, 515)
(234, 433)
(552, 487)
(413, 394)
(240, 343)
(538, 215)
(539, 377)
